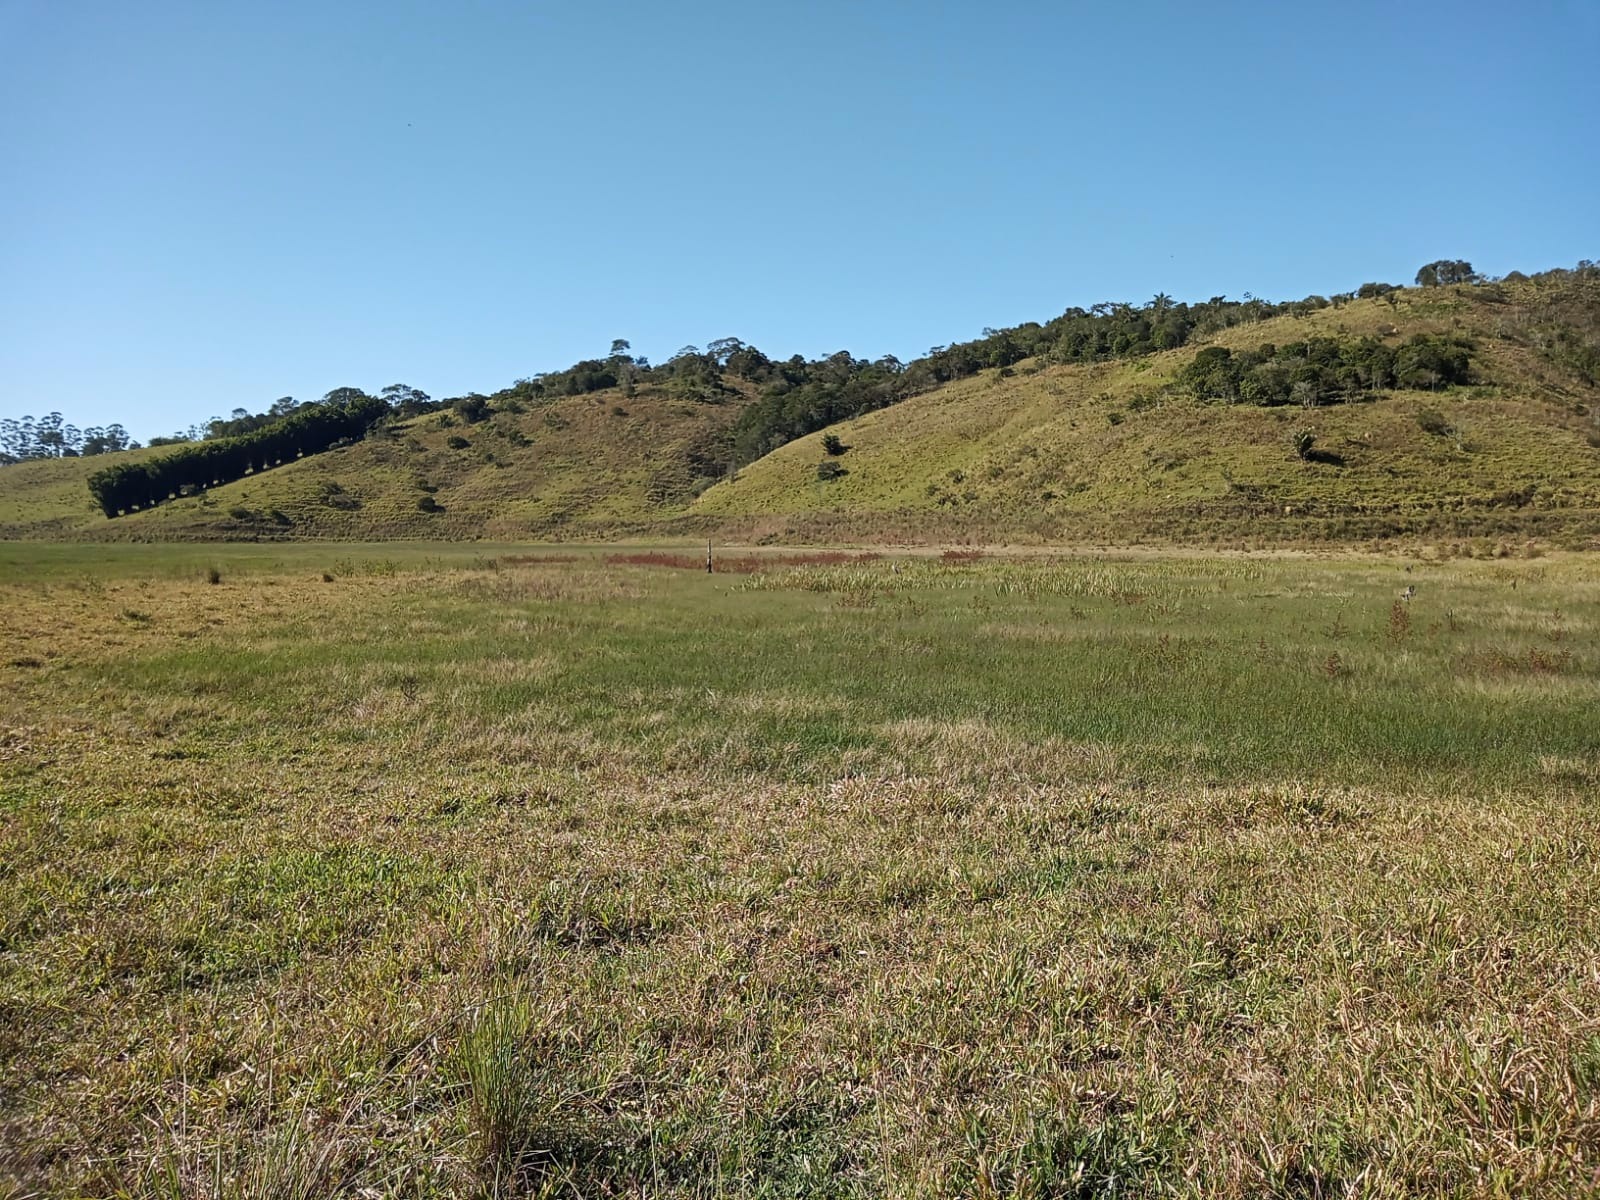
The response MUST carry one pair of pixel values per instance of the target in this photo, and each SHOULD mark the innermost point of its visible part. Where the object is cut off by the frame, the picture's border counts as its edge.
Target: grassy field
(437, 870)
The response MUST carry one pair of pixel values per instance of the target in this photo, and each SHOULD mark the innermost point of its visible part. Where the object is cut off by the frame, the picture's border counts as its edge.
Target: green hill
(1113, 451)
(1117, 450)
(582, 466)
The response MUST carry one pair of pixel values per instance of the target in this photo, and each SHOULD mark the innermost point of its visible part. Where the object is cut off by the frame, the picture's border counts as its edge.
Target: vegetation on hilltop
(1326, 370)
(25, 439)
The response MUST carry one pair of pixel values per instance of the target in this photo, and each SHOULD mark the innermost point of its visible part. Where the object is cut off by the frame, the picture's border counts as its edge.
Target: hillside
(578, 466)
(1118, 450)
(1096, 452)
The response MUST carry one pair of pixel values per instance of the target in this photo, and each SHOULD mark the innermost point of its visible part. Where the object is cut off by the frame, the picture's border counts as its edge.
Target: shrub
(1303, 440)
(832, 445)
(213, 574)
(1432, 421)
(830, 470)
(473, 408)
(429, 505)
(456, 442)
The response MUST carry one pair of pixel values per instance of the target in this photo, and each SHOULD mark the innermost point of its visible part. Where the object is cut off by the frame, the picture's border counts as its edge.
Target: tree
(472, 408)
(723, 349)
(406, 400)
(49, 435)
(1447, 271)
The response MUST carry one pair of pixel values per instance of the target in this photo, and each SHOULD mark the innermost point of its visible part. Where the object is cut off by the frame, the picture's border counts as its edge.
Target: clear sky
(210, 205)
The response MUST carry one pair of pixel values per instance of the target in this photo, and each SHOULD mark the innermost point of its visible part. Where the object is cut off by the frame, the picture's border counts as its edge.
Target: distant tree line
(1323, 370)
(343, 415)
(26, 438)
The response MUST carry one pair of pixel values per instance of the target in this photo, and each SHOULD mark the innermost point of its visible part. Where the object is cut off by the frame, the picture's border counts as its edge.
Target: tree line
(343, 415)
(1324, 370)
(50, 436)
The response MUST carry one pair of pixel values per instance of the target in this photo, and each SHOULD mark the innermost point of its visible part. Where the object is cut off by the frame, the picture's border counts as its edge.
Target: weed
(1399, 621)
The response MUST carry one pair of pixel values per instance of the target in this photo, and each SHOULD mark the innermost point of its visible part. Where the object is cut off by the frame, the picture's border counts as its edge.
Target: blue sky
(211, 205)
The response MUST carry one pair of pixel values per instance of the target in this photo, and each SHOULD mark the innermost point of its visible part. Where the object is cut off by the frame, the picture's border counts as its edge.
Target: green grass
(1053, 876)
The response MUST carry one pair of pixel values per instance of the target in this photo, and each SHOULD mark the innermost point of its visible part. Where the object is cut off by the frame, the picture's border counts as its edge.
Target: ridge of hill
(1117, 450)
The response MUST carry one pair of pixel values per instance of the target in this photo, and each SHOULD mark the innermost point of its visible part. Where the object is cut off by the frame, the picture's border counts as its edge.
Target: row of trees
(1326, 370)
(343, 415)
(26, 438)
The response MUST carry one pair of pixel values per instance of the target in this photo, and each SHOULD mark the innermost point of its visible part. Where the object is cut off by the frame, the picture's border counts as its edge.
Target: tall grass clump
(290, 1161)
(511, 1102)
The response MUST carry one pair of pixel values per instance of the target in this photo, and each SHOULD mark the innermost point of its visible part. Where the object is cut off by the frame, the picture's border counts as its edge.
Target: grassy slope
(1039, 453)
(1036, 456)
(575, 465)
(49, 497)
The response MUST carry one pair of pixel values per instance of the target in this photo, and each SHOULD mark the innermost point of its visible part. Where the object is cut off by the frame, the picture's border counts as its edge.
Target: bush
(1303, 440)
(832, 445)
(473, 408)
(429, 505)
(213, 574)
(456, 442)
(1432, 421)
(830, 470)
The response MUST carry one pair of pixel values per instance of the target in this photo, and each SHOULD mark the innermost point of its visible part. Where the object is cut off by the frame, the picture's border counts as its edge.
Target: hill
(1118, 451)
(1123, 449)
(579, 466)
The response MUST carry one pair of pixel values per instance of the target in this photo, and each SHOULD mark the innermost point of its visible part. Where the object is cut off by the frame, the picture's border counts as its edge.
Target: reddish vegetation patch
(962, 556)
(737, 564)
(1530, 662)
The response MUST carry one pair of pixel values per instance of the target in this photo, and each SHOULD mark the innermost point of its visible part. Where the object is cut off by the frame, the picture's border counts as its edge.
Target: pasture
(477, 870)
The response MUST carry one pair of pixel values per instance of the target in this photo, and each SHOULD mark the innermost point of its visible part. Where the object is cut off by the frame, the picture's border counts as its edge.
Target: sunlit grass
(470, 871)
